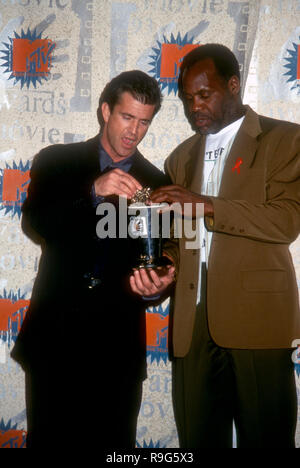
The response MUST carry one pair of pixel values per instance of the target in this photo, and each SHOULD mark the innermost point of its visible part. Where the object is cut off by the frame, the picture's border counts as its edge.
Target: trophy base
(153, 263)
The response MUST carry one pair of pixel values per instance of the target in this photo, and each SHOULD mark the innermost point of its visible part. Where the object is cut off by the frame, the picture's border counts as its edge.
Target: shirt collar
(106, 161)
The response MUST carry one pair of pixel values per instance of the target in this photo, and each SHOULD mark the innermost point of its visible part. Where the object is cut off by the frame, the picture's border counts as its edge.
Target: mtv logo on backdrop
(13, 308)
(14, 183)
(31, 56)
(157, 320)
(27, 57)
(10, 436)
(171, 58)
(166, 60)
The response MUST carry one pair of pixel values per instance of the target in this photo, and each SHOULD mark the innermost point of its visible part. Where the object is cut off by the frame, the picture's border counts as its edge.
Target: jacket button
(232, 228)
(242, 230)
(210, 222)
(192, 286)
(222, 226)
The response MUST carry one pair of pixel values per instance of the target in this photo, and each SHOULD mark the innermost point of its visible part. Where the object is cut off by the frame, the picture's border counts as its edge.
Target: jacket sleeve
(170, 246)
(54, 207)
(277, 220)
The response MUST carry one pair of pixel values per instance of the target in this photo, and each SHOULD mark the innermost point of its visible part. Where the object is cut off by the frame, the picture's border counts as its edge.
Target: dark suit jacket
(252, 295)
(59, 214)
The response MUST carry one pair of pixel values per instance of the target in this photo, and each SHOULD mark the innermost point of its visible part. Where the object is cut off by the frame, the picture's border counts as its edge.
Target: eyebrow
(133, 116)
(128, 115)
(202, 89)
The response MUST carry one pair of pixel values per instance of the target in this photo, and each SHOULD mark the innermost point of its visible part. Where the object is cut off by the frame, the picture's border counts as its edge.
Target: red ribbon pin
(236, 168)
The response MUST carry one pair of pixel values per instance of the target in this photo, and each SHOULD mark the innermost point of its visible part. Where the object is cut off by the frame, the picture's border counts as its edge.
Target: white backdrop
(55, 58)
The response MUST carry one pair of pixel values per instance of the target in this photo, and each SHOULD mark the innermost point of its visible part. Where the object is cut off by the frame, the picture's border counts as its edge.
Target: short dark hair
(141, 86)
(224, 60)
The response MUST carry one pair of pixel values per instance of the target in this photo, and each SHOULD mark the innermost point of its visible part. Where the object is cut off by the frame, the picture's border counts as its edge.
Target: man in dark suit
(82, 343)
(236, 304)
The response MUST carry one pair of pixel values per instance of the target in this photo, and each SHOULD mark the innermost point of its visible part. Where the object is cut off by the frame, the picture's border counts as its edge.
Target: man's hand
(116, 182)
(148, 282)
(178, 194)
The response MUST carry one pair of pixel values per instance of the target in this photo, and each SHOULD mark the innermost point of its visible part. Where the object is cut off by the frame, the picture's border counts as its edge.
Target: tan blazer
(252, 292)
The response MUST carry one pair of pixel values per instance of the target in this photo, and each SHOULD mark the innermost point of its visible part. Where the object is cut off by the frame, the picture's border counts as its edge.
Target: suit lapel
(146, 172)
(194, 166)
(136, 169)
(241, 157)
(91, 158)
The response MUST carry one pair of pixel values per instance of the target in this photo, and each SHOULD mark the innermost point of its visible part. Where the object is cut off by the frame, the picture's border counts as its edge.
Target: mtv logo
(157, 330)
(10, 313)
(11, 437)
(14, 186)
(171, 58)
(157, 322)
(31, 56)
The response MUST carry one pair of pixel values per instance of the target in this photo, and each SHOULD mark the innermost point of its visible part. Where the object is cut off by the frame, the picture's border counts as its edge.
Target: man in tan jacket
(235, 310)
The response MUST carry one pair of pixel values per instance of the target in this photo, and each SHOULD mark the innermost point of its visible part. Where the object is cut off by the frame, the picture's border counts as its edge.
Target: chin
(208, 130)
(202, 130)
(125, 153)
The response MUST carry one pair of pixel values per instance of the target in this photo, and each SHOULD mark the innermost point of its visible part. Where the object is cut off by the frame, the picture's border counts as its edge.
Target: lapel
(146, 173)
(194, 166)
(91, 157)
(241, 157)
(136, 169)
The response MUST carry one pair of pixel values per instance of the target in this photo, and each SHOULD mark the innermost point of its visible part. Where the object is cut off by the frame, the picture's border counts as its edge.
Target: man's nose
(197, 104)
(134, 126)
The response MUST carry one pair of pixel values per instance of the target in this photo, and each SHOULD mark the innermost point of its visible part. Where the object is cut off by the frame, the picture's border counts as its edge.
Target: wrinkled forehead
(202, 74)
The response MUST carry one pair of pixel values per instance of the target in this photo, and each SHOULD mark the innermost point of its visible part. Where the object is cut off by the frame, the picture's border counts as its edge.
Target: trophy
(145, 226)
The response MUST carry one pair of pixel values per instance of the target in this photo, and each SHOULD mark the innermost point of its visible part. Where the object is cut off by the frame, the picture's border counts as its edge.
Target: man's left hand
(178, 194)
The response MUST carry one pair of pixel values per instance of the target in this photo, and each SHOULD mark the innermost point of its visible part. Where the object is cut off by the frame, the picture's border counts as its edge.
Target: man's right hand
(116, 182)
(150, 282)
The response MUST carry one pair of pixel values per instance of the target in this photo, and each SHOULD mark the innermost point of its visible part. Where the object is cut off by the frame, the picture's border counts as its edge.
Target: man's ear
(105, 111)
(234, 85)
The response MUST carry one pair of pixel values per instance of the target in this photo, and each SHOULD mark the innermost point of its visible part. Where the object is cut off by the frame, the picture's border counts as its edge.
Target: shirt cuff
(96, 199)
(151, 298)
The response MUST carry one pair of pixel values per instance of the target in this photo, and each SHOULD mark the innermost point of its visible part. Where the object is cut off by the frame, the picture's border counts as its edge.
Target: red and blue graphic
(166, 60)
(10, 436)
(13, 308)
(157, 322)
(14, 183)
(293, 67)
(150, 445)
(27, 57)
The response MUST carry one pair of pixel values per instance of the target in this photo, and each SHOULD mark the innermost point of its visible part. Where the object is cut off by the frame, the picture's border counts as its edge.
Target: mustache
(200, 115)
